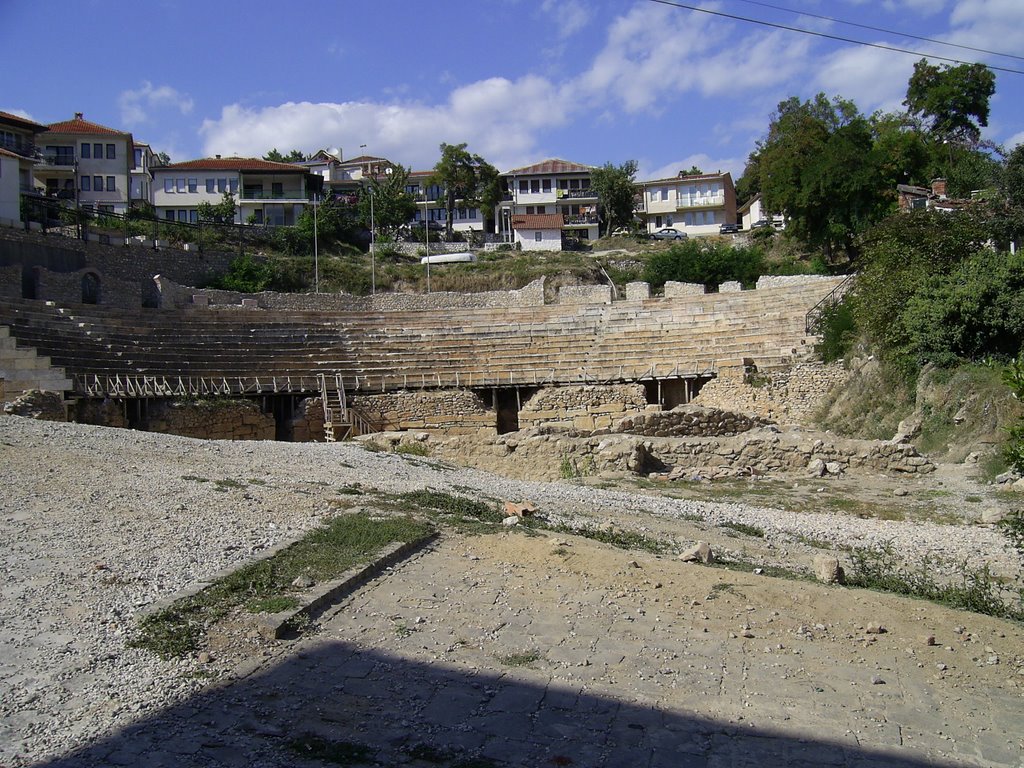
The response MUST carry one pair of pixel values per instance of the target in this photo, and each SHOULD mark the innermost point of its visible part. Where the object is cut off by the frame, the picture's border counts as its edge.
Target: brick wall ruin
(689, 421)
(211, 419)
(454, 412)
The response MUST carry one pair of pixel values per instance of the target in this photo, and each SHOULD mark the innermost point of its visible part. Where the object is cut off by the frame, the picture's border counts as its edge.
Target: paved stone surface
(517, 652)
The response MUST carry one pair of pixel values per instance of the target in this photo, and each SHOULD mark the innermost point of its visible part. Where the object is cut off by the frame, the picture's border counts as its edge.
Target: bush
(247, 275)
(1013, 452)
(709, 263)
(838, 332)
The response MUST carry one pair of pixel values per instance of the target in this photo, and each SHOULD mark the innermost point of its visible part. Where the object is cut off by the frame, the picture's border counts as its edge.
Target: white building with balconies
(697, 204)
(265, 192)
(547, 205)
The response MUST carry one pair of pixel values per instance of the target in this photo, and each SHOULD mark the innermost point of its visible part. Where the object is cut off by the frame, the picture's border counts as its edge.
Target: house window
(86, 184)
(277, 190)
(182, 215)
(664, 194)
(105, 208)
(585, 184)
(535, 186)
(211, 185)
(169, 185)
(169, 215)
(233, 186)
(111, 187)
(563, 183)
(574, 183)
(111, 152)
(546, 185)
(97, 151)
(138, 158)
(179, 185)
(538, 236)
(193, 185)
(97, 183)
(193, 216)
(86, 154)
(222, 185)
(524, 185)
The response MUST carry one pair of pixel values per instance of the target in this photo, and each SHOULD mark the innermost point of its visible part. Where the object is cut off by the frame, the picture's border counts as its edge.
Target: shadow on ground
(341, 705)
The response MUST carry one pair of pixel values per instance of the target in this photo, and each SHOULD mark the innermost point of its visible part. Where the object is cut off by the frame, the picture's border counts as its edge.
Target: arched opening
(90, 288)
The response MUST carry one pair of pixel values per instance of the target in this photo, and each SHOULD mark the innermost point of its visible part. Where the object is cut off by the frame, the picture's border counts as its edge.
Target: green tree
(392, 206)
(467, 180)
(615, 188)
(952, 102)
(218, 213)
(817, 165)
(694, 171)
(1013, 177)
(295, 156)
(710, 263)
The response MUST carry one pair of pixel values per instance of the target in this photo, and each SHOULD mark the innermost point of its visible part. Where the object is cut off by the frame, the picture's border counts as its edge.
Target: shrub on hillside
(246, 275)
(710, 263)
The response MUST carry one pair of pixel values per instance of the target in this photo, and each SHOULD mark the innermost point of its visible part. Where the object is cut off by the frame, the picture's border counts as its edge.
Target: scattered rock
(510, 521)
(816, 468)
(834, 468)
(993, 515)
(204, 657)
(972, 458)
(827, 570)
(908, 429)
(876, 680)
(900, 492)
(1006, 477)
(521, 509)
(876, 629)
(928, 640)
(699, 552)
(303, 582)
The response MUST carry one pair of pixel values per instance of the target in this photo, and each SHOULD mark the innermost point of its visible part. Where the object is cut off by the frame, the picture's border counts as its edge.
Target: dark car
(728, 229)
(669, 234)
(760, 224)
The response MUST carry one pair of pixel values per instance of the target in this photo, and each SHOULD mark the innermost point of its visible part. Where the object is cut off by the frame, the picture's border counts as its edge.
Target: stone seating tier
(501, 346)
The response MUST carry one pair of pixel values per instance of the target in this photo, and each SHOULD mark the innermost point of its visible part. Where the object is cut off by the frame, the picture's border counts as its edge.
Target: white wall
(10, 191)
(551, 239)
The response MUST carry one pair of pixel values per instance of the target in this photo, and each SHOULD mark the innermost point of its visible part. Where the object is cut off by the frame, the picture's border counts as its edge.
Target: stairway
(23, 368)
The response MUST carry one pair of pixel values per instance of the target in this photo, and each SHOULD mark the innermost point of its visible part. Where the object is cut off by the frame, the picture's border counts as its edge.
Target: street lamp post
(316, 249)
(373, 249)
(426, 233)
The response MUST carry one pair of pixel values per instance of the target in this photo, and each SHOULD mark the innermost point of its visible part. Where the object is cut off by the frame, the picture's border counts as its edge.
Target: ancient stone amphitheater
(281, 350)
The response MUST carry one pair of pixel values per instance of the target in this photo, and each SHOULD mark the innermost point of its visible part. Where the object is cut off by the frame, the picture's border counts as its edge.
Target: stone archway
(90, 288)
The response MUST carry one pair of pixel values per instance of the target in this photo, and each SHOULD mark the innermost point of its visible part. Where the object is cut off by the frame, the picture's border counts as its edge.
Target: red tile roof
(537, 221)
(8, 153)
(365, 159)
(552, 165)
(80, 125)
(22, 122)
(234, 164)
(685, 177)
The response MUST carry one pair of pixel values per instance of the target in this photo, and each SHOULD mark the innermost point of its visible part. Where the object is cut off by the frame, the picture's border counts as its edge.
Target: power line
(827, 36)
(882, 29)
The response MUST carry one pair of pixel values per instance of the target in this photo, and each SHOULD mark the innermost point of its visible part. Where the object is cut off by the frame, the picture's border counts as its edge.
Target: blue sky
(590, 81)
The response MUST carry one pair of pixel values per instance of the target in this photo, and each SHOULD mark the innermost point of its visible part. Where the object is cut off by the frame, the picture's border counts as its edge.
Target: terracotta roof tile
(537, 221)
(81, 125)
(8, 153)
(234, 164)
(552, 165)
(23, 122)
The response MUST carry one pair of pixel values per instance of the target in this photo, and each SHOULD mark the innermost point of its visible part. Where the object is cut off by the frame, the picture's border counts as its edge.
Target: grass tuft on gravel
(266, 585)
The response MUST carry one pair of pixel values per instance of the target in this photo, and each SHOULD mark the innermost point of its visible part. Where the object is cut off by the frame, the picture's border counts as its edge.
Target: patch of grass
(196, 478)
(336, 752)
(460, 508)
(972, 499)
(744, 528)
(402, 629)
(275, 604)
(619, 539)
(227, 484)
(567, 469)
(724, 587)
(519, 658)
(351, 490)
(322, 554)
(413, 449)
(976, 590)
(371, 446)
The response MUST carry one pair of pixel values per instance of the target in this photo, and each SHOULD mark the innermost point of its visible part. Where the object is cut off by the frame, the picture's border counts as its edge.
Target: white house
(17, 160)
(697, 204)
(265, 192)
(752, 212)
(547, 203)
(87, 162)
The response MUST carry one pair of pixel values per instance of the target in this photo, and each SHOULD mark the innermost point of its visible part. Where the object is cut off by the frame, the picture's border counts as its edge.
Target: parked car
(760, 224)
(668, 233)
(728, 229)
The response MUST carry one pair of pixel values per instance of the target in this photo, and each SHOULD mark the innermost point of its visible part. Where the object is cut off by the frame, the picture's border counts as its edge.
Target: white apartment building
(547, 203)
(17, 160)
(697, 204)
(430, 206)
(142, 173)
(265, 192)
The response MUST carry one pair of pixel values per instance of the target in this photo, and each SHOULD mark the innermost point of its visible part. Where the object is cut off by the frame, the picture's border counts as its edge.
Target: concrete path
(511, 650)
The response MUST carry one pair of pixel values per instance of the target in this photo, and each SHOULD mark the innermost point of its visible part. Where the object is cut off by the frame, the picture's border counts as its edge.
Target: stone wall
(585, 294)
(37, 404)
(638, 291)
(10, 282)
(542, 454)
(456, 412)
(102, 413)
(307, 424)
(173, 295)
(211, 419)
(689, 421)
(66, 287)
(784, 281)
(792, 395)
(584, 407)
(675, 290)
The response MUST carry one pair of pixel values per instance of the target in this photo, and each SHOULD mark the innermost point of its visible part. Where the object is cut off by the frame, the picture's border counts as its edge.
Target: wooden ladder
(335, 411)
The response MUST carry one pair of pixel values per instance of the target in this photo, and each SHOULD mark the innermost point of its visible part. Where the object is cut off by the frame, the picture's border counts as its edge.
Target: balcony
(699, 202)
(259, 194)
(576, 194)
(19, 146)
(580, 219)
(59, 160)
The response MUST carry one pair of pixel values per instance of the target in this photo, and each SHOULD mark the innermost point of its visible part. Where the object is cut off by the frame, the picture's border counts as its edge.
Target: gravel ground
(97, 524)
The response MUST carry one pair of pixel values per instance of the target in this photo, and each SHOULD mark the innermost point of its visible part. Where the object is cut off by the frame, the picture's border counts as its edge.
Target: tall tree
(392, 206)
(465, 179)
(1013, 177)
(295, 156)
(951, 101)
(615, 188)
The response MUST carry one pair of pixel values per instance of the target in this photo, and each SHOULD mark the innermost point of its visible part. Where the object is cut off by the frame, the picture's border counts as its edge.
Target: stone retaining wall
(585, 294)
(225, 419)
(792, 395)
(66, 287)
(10, 282)
(674, 289)
(456, 412)
(584, 407)
(689, 421)
(307, 425)
(101, 413)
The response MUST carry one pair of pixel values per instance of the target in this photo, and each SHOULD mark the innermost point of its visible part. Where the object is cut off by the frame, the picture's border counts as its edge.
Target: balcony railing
(580, 218)
(699, 202)
(23, 148)
(295, 194)
(576, 194)
(58, 159)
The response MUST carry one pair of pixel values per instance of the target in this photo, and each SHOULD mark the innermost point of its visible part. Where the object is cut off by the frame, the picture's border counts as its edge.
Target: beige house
(697, 204)
(547, 204)
(17, 160)
(87, 163)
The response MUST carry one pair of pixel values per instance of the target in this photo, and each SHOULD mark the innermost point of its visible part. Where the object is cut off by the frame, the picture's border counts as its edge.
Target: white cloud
(136, 106)
(990, 24)
(570, 16)
(870, 77)
(1015, 140)
(921, 7)
(19, 113)
(498, 118)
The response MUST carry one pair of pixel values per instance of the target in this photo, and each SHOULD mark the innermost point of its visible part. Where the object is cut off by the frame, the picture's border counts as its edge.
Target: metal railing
(293, 194)
(699, 202)
(812, 320)
(580, 218)
(573, 194)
